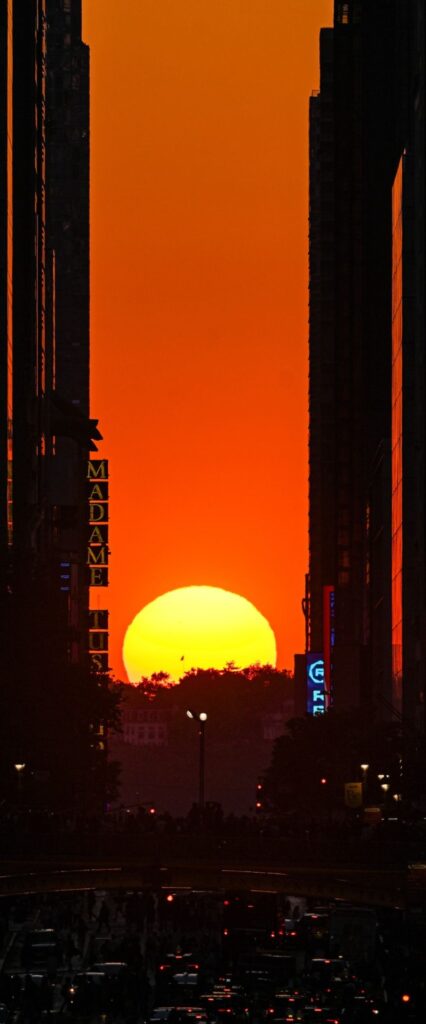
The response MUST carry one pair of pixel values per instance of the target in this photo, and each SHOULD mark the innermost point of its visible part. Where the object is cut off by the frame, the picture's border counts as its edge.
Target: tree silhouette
(232, 696)
(332, 747)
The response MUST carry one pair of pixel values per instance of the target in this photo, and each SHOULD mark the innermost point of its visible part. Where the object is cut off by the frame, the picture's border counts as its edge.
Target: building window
(343, 14)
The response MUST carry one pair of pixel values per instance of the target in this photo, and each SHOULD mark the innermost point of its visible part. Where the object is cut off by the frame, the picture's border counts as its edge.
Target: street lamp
(201, 718)
(364, 768)
(19, 769)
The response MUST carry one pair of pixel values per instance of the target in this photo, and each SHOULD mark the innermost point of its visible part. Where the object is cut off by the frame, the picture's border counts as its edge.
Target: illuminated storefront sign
(98, 559)
(98, 639)
(98, 469)
(98, 618)
(98, 490)
(315, 684)
(99, 661)
(98, 498)
(98, 534)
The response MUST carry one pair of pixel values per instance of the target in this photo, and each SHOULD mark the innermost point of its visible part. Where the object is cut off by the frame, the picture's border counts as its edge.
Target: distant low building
(144, 727)
(158, 747)
(273, 723)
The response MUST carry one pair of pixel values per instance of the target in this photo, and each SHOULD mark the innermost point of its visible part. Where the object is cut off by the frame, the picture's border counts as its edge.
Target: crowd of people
(124, 827)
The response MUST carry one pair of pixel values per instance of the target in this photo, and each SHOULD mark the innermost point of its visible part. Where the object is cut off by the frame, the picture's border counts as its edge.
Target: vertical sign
(328, 604)
(315, 683)
(98, 498)
(98, 639)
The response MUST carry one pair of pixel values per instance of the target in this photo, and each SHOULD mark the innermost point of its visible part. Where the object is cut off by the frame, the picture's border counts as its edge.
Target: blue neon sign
(315, 684)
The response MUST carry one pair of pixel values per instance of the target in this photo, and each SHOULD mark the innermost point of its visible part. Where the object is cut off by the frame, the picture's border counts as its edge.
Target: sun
(196, 627)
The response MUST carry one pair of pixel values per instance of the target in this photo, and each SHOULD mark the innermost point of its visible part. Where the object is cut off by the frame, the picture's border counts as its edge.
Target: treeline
(232, 698)
(318, 756)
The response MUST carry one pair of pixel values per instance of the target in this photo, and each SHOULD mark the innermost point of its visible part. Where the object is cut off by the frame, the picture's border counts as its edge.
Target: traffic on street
(181, 956)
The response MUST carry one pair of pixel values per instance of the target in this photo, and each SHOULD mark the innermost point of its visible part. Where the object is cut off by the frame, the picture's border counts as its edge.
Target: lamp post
(364, 769)
(20, 768)
(201, 718)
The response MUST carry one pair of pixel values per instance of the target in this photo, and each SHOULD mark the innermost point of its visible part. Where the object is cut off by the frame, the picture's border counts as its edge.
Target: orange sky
(199, 164)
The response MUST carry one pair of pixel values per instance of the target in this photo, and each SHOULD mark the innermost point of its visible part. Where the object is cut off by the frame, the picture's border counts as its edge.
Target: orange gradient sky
(199, 300)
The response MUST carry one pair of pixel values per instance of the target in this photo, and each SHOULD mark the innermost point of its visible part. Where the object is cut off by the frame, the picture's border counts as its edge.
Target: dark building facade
(46, 433)
(360, 123)
(5, 291)
(409, 395)
(67, 234)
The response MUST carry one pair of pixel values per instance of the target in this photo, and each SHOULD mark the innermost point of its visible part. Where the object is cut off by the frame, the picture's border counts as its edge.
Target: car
(223, 1000)
(321, 1015)
(328, 969)
(4, 1014)
(185, 979)
(364, 1010)
(96, 977)
(110, 968)
(86, 986)
(103, 947)
(177, 1014)
(354, 932)
(268, 969)
(286, 1006)
(288, 932)
(314, 928)
(41, 948)
(179, 969)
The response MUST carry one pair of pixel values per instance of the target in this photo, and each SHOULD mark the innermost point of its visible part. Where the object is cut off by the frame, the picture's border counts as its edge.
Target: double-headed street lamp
(201, 718)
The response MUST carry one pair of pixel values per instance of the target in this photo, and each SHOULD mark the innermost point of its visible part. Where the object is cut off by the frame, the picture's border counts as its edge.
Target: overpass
(373, 886)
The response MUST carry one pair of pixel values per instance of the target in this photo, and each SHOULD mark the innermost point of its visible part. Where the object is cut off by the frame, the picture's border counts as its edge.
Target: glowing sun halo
(196, 627)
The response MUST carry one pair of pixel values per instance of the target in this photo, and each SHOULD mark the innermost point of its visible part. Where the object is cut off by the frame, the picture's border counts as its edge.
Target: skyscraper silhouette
(46, 433)
(362, 120)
